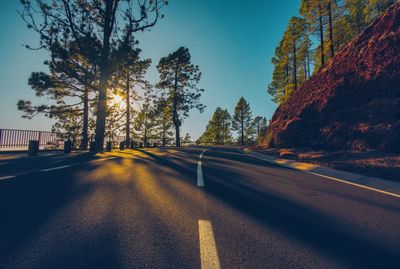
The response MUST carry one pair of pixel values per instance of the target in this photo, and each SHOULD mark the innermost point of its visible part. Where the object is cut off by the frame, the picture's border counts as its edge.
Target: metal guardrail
(19, 139)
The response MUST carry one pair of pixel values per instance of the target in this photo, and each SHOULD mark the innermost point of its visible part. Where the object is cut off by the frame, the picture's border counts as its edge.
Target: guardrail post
(33, 148)
(121, 145)
(92, 146)
(108, 146)
(40, 137)
(67, 146)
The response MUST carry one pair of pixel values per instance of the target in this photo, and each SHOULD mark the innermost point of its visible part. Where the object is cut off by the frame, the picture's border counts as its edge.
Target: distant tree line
(333, 23)
(96, 83)
(219, 128)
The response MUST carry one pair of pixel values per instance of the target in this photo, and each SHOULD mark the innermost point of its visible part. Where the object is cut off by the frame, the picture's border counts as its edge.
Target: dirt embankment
(352, 103)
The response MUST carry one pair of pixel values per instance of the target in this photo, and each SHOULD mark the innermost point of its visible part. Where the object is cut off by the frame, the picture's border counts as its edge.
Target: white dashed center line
(200, 179)
(6, 177)
(208, 249)
(58, 168)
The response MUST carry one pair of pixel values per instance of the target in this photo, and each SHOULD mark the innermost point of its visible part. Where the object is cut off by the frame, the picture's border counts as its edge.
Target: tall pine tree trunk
(128, 110)
(101, 112)
(321, 32)
(145, 134)
(331, 29)
(177, 125)
(164, 134)
(287, 79)
(223, 132)
(177, 135)
(175, 115)
(305, 69)
(85, 127)
(242, 128)
(295, 66)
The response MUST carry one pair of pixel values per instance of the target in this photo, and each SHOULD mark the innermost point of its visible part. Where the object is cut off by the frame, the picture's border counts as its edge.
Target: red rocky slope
(353, 102)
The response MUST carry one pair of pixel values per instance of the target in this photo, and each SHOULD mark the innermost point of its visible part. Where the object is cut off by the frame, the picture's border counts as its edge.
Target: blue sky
(231, 40)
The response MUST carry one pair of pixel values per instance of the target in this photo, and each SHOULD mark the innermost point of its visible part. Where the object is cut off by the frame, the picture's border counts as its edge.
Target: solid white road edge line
(331, 178)
(208, 249)
(200, 179)
(6, 177)
(59, 167)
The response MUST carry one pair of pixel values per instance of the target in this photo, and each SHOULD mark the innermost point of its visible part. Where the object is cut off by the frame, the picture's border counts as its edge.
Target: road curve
(145, 209)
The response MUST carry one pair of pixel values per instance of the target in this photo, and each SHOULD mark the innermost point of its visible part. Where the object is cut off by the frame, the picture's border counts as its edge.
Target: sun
(118, 100)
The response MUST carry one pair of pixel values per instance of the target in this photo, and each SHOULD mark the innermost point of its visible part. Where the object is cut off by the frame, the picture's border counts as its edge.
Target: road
(188, 208)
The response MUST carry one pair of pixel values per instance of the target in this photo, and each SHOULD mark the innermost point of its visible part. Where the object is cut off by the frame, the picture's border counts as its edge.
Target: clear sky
(231, 40)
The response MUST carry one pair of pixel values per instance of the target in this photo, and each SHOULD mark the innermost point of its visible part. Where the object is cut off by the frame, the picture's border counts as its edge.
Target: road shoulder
(373, 183)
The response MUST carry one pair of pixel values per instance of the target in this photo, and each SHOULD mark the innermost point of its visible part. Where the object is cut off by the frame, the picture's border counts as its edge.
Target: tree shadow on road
(313, 227)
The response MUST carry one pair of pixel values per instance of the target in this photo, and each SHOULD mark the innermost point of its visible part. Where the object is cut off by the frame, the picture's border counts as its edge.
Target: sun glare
(118, 100)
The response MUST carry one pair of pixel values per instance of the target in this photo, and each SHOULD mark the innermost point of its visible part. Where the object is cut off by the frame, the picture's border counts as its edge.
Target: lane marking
(331, 178)
(208, 248)
(200, 179)
(6, 177)
(355, 184)
(58, 168)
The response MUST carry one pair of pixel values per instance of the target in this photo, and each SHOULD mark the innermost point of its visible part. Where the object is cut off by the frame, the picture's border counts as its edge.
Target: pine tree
(355, 10)
(225, 121)
(315, 11)
(82, 21)
(187, 139)
(162, 120)
(375, 8)
(220, 125)
(129, 77)
(334, 22)
(296, 36)
(70, 83)
(180, 79)
(291, 61)
(257, 121)
(242, 120)
(218, 129)
(280, 77)
(262, 130)
(143, 124)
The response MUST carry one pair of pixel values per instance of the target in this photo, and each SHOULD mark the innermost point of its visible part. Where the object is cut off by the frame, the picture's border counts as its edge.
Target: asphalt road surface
(186, 208)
